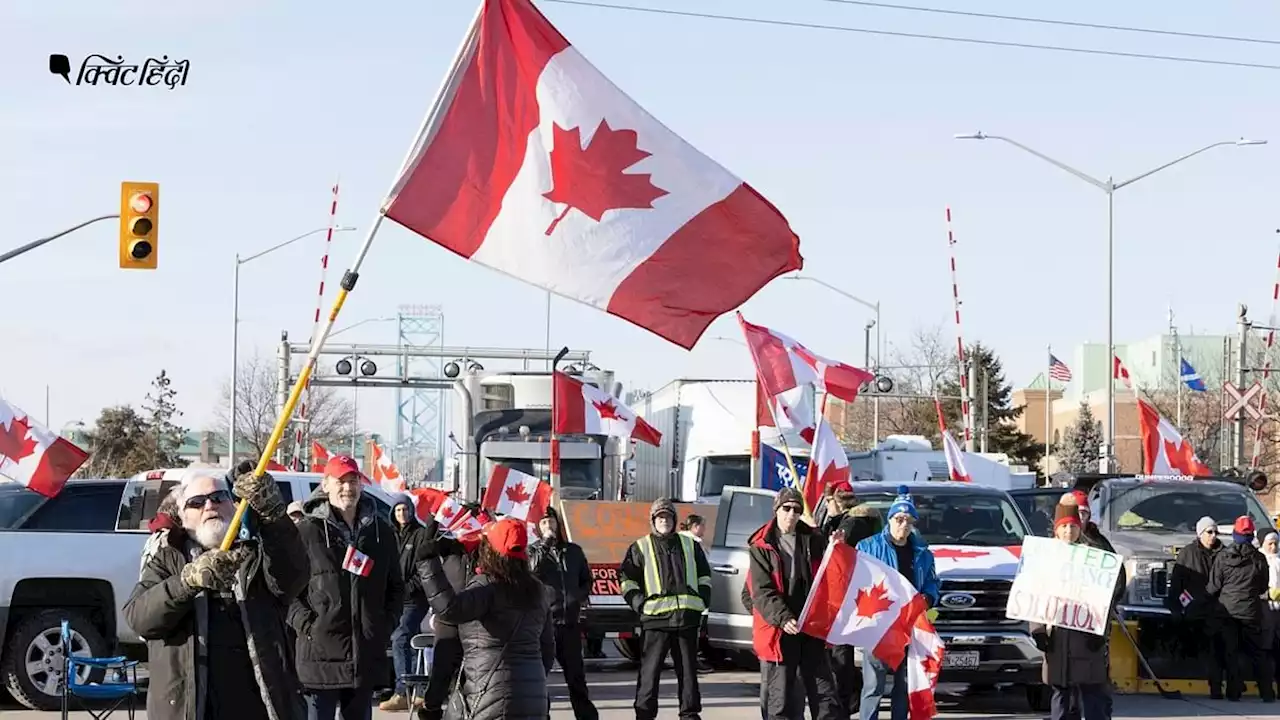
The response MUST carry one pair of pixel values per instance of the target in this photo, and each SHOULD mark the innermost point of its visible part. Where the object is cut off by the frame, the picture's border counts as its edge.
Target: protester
(345, 618)
(562, 567)
(785, 554)
(296, 513)
(666, 580)
(855, 523)
(902, 549)
(458, 562)
(1075, 660)
(504, 622)
(412, 539)
(694, 526)
(1238, 579)
(1198, 613)
(213, 620)
(1270, 546)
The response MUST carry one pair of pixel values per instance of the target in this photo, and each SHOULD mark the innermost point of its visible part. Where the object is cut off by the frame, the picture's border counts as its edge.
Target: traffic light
(139, 225)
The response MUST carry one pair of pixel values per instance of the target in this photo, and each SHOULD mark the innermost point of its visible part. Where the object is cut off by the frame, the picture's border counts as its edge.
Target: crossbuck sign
(1242, 401)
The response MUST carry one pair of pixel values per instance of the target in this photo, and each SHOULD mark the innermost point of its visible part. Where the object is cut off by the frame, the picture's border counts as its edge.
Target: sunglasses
(217, 497)
(1210, 532)
(791, 509)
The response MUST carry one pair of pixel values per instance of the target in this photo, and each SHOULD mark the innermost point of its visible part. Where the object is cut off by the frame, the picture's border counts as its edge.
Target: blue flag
(774, 473)
(1191, 377)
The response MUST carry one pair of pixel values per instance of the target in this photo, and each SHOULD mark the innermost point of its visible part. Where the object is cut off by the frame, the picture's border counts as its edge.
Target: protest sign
(1068, 585)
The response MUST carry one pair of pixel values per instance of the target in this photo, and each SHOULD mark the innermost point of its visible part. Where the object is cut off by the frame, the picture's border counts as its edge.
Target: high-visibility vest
(658, 600)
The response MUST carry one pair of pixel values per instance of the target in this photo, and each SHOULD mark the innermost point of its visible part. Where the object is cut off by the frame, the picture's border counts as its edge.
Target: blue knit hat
(903, 504)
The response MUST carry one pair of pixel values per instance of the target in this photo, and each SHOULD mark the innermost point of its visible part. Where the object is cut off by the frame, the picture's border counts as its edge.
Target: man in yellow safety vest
(666, 580)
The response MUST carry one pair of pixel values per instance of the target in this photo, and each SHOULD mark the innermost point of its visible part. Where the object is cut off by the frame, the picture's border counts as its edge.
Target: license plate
(967, 660)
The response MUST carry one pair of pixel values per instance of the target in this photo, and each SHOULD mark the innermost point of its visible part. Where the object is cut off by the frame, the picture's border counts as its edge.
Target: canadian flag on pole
(828, 465)
(534, 164)
(1120, 372)
(514, 493)
(784, 364)
(319, 456)
(924, 662)
(385, 472)
(426, 502)
(858, 600)
(1164, 452)
(585, 408)
(31, 455)
(955, 458)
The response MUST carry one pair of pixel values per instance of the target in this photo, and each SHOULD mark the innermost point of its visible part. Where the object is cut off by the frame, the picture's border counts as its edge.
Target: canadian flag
(31, 455)
(858, 600)
(955, 458)
(537, 166)
(469, 528)
(783, 364)
(924, 662)
(356, 562)
(319, 456)
(584, 408)
(511, 492)
(795, 411)
(385, 472)
(426, 502)
(828, 465)
(1120, 372)
(449, 512)
(1164, 452)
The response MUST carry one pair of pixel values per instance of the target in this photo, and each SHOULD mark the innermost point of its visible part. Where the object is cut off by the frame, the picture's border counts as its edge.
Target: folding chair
(415, 683)
(119, 686)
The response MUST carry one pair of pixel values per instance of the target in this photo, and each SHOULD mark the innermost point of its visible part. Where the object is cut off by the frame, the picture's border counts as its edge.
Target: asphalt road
(735, 696)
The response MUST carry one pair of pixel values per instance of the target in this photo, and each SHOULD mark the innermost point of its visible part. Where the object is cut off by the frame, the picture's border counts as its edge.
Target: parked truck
(911, 458)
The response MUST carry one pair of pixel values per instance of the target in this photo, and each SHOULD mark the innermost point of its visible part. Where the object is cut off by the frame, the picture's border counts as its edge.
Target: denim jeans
(874, 676)
(401, 653)
(349, 703)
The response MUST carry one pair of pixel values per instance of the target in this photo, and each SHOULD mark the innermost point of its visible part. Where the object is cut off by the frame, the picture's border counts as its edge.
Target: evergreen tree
(1081, 443)
(117, 445)
(165, 437)
(1002, 435)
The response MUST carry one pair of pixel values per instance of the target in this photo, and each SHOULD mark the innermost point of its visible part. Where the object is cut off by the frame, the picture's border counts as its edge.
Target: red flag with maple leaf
(32, 455)
(1164, 451)
(924, 663)
(513, 493)
(571, 186)
(582, 408)
(319, 456)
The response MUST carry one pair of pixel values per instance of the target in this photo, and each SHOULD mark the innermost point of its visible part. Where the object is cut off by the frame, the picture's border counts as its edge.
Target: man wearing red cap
(1239, 578)
(345, 617)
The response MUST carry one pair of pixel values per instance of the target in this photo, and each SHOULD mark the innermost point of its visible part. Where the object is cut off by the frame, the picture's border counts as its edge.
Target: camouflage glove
(214, 570)
(262, 493)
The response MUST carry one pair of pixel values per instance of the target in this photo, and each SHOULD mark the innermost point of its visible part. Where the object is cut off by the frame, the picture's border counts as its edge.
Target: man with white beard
(214, 621)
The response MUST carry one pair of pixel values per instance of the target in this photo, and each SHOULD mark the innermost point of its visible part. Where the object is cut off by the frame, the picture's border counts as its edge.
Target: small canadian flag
(517, 494)
(357, 563)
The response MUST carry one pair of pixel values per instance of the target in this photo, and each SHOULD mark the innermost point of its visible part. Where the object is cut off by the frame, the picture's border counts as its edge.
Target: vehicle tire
(1038, 697)
(630, 648)
(36, 642)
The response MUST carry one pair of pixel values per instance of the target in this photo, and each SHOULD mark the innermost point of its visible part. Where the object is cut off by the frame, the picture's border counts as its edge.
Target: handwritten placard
(1068, 585)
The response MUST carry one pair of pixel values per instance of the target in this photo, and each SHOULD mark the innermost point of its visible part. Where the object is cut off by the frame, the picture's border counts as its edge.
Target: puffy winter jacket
(774, 598)
(1238, 579)
(880, 547)
(1190, 574)
(1071, 657)
(344, 621)
(562, 566)
(508, 648)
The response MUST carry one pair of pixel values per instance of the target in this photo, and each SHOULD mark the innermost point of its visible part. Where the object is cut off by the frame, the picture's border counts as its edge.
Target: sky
(849, 134)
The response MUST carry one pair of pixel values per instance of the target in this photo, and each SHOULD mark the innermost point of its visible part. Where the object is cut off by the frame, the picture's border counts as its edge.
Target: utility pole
(1177, 364)
(1242, 372)
(986, 425)
(1224, 430)
(970, 422)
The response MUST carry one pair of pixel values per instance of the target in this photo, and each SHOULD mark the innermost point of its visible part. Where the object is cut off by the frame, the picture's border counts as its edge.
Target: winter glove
(214, 570)
(1274, 594)
(262, 493)
(932, 614)
(1041, 639)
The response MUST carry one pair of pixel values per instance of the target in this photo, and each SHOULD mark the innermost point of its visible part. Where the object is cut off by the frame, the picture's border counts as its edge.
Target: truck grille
(990, 599)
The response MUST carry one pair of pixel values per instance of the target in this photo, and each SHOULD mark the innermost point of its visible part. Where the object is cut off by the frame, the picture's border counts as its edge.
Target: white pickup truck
(77, 557)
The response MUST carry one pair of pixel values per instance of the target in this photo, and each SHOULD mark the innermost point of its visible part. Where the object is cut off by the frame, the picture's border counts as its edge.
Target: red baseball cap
(1243, 526)
(509, 537)
(1082, 500)
(342, 465)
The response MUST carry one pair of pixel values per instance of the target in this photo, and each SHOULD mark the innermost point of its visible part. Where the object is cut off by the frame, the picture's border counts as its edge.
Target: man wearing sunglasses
(1189, 601)
(213, 620)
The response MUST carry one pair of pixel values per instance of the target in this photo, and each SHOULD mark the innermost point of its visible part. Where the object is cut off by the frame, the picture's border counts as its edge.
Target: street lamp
(1109, 186)
(235, 328)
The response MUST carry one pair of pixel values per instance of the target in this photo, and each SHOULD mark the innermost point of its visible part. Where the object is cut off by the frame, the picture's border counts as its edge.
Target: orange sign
(606, 529)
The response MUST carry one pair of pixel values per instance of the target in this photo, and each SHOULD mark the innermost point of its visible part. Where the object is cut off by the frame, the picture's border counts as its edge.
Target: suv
(77, 557)
(975, 533)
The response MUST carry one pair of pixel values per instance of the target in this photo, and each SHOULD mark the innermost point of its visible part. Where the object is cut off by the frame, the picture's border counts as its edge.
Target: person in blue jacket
(902, 549)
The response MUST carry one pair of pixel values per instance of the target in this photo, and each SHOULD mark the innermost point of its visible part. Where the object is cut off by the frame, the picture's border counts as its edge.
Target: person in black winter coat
(1198, 613)
(1239, 579)
(504, 621)
(345, 617)
(458, 564)
(412, 539)
(857, 523)
(562, 567)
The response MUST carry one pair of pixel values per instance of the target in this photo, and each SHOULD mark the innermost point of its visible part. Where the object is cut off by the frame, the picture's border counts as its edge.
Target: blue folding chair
(119, 686)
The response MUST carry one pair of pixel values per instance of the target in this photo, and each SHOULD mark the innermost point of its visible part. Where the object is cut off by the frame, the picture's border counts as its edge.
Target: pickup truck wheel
(33, 662)
(1038, 697)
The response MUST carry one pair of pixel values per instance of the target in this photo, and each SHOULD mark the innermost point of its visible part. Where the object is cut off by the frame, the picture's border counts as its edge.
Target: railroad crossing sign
(1243, 400)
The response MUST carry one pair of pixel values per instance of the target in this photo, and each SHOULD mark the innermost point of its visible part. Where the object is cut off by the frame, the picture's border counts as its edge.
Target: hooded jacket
(776, 598)
(673, 573)
(562, 566)
(344, 621)
(880, 546)
(1238, 579)
(176, 625)
(414, 543)
(1190, 574)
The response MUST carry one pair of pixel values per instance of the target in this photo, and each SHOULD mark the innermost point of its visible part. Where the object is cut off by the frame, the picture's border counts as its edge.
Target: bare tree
(329, 415)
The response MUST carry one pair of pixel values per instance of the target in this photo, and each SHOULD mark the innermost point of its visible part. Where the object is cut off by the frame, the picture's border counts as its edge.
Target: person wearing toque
(1239, 580)
(904, 550)
(1198, 613)
(667, 581)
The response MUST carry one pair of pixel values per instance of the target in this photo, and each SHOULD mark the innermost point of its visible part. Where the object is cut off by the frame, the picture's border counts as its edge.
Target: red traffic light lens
(140, 203)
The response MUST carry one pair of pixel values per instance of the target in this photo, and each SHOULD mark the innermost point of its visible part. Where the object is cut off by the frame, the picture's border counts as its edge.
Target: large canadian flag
(511, 492)
(585, 408)
(536, 165)
(784, 364)
(1164, 452)
(32, 455)
(828, 465)
(858, 600)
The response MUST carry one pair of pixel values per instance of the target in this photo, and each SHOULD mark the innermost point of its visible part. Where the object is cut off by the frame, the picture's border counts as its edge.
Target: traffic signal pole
(33, 245)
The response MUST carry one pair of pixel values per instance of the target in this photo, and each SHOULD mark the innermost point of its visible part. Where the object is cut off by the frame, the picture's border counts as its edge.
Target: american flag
(1058, 370)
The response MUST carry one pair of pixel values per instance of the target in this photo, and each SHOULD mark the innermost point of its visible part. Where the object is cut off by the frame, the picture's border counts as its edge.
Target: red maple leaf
(592, 180)
(932, 664)
(958, 553)
(607, 410)
(872, 601)
(1182, 457)
(14, 443)
(517, 495)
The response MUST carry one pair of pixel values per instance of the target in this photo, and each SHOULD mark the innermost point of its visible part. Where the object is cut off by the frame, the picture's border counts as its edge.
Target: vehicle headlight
(1147, 580)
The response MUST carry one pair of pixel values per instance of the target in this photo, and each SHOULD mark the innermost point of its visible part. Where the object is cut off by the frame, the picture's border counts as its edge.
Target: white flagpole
(1048, 421)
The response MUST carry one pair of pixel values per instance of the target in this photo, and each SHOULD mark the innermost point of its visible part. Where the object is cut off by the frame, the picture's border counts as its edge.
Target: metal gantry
(420, 411)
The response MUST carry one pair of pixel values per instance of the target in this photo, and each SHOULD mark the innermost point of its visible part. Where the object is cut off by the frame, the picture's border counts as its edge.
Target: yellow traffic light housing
(139, 225)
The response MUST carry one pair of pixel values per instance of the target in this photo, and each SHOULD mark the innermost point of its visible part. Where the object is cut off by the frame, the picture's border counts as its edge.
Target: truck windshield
(583, 474)
(17, 503)
(960, 518)
(724, 471)
(1177, 507)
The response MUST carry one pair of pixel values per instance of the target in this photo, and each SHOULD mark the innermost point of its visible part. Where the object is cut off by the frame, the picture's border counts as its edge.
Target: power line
(918, 36)
(1065, 23)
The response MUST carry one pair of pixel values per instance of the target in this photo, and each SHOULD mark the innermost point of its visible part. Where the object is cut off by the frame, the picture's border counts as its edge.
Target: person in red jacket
(785, 555)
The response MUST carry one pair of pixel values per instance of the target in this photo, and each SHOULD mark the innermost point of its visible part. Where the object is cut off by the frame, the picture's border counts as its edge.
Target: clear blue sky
(850, 135)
